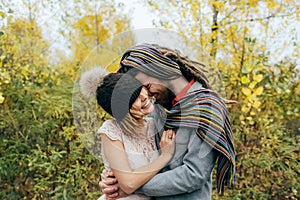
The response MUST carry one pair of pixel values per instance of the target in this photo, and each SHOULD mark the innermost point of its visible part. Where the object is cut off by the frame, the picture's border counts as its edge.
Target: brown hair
(133, 122)
(190, 69)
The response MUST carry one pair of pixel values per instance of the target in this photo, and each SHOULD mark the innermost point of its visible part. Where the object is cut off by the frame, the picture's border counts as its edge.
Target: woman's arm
(129, 180)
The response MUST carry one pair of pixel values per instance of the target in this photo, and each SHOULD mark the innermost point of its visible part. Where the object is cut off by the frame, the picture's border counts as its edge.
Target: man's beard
(166, 99)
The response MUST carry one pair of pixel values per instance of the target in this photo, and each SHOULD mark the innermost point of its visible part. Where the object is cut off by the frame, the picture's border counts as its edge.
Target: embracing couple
(168, 130)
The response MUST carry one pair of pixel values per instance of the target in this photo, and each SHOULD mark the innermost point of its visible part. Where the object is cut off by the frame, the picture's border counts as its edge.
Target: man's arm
(195, 171)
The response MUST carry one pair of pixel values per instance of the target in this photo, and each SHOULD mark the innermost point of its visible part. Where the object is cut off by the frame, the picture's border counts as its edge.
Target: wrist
(165, 157)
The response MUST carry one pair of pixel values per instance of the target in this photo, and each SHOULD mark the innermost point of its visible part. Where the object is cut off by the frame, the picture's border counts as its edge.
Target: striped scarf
(204, 111)
(149, 60)
(201, 109)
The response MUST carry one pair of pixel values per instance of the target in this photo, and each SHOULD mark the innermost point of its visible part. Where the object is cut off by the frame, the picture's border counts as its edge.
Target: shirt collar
(183, 92)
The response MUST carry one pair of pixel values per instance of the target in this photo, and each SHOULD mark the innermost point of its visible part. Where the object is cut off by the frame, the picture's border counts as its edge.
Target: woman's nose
(144, 97)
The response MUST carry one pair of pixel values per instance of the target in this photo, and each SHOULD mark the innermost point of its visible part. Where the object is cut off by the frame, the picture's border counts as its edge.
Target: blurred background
(44, 43)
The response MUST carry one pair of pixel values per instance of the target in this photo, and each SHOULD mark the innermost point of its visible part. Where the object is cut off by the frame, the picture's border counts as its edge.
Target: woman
(128, 144)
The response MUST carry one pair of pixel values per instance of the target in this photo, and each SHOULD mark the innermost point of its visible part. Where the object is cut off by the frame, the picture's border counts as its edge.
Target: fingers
(108, 184)
(168, 137)
(112, 196)
(169, 134)
(107, 173)
(109, 190)
(108, 180)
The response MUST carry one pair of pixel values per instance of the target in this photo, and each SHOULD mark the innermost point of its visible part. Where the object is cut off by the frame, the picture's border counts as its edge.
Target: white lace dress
(140, 152)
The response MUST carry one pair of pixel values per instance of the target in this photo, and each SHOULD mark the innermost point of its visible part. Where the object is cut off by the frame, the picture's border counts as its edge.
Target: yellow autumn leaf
(216, 5)
(278, 90)
(246, 91)
(245, 109)
(252, 84)
(1, 98)
(184, 13)
(253, 3)
(249, 118)
(245, 80)
(258, 77)
(260, 66)
(242, 118)
(234, 27)
(246, 29)
(247, 68)
(2, 14)
(256, 104)
(272, 4)
(258, 91)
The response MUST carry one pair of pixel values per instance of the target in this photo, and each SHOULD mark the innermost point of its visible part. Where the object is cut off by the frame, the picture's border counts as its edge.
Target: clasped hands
(109, 186)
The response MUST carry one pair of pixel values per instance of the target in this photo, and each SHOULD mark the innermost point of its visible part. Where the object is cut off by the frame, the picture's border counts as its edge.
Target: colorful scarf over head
(201, 109)
(149, 60)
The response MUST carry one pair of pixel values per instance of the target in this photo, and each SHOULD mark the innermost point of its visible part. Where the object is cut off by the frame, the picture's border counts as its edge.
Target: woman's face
(142, 103)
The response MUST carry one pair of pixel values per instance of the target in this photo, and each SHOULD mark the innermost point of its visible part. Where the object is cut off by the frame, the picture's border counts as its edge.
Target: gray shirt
(189, 174)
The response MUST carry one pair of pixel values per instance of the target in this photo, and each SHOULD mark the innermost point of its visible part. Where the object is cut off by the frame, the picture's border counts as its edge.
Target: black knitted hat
(117, 93)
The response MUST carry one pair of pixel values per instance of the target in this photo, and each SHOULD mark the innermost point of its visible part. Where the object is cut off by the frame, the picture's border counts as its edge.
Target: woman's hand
(108, 184)
(167, 143)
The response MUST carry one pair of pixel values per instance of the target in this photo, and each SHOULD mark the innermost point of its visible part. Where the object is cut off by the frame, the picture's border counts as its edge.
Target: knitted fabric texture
(149, 60)
(202, 109)
(117, 93)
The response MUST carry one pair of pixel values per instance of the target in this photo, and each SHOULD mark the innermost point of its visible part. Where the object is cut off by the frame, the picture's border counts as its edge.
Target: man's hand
(109, 185)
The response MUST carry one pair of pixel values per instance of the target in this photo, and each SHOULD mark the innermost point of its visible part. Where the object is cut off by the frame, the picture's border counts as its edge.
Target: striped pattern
(149, 60)
(206, 112)
(201, 109)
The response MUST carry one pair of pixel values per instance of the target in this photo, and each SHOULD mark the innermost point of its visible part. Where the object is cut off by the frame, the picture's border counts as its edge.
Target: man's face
(158, 89)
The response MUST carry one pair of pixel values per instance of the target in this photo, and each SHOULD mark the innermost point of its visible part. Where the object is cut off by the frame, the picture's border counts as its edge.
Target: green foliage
(266, 117)
(42, 156)
(266, 124)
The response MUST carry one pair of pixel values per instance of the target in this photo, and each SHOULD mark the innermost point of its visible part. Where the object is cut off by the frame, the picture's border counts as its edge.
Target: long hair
(189, 68)
(132, 124)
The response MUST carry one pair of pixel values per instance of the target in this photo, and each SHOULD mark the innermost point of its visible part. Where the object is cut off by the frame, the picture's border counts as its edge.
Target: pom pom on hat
(90, 80)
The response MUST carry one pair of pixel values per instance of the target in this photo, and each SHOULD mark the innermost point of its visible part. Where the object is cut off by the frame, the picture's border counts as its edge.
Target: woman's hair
(133, 122)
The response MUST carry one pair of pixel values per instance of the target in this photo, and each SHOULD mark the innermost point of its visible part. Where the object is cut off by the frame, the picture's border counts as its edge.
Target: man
(199, 115)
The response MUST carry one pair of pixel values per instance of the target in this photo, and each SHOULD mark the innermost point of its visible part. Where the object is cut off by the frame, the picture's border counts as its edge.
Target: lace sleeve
(111, 129)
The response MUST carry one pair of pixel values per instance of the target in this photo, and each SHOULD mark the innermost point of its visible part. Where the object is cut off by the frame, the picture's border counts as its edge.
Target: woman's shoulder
(112, 129)
(110, 122)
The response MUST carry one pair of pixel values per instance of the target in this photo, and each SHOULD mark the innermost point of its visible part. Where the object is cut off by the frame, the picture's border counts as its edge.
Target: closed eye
(148, 86)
